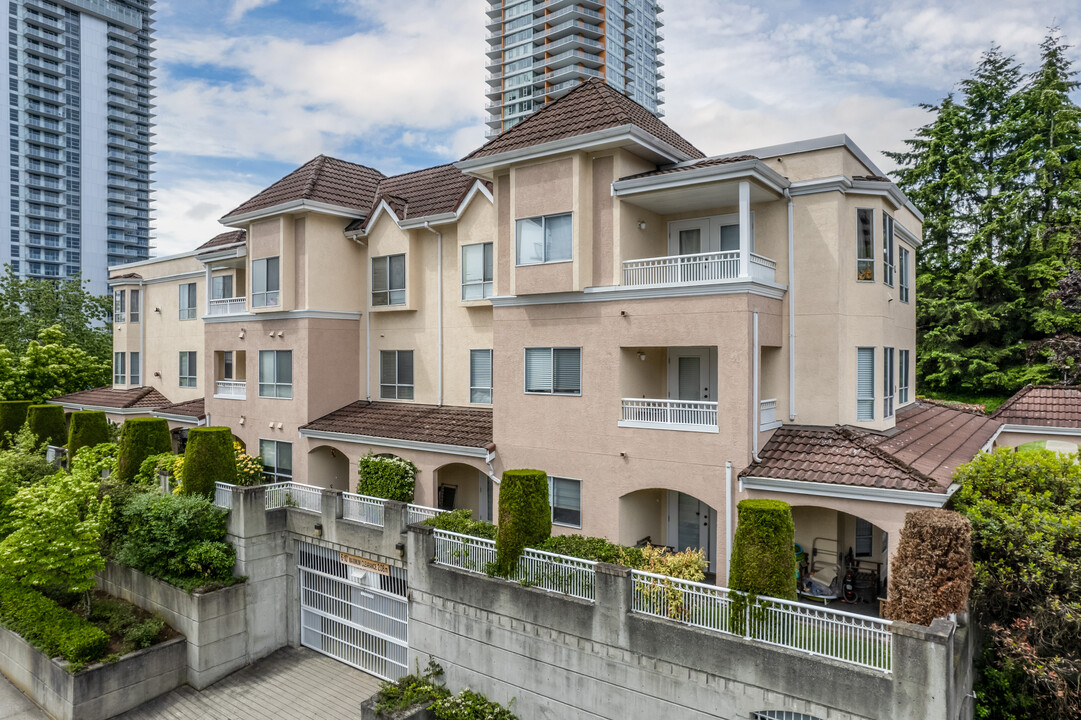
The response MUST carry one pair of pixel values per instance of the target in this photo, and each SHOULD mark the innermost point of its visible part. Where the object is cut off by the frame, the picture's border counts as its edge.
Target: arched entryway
(833, 542)
(328, 467)
(461, 486)
(669, 518)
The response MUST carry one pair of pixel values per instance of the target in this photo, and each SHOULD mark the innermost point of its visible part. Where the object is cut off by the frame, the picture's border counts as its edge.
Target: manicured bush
(461, 521)
(48, 424)
(762, 558)
(593, 548)
(47, 626)
(139, 439)
(209, 458)
(12, 417)
(87, 429)
(387, 477)
(149, 475)
(931, 574)
(525, 517)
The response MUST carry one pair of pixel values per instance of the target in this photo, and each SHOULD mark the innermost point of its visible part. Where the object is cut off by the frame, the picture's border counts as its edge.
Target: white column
(209, 283)
(745, 229)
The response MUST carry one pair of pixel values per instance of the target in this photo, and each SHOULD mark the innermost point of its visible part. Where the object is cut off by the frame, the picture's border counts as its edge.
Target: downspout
(142, 333)
(791, 308)
(439, 312)
(727, 520)
(755, 409)
(368, 354)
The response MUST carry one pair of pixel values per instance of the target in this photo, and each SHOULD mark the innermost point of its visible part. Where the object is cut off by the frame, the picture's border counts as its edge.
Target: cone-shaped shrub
(12, 417)
(49, 424)
(931, 575)
(525, 517)
(139, 439)
(87, 429)
(763, 562)
(209, 458)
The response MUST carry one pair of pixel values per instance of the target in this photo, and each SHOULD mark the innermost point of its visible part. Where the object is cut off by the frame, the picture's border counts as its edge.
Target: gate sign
(365, 564)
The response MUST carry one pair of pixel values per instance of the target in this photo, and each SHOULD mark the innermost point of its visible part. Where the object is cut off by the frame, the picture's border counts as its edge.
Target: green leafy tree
(525, 516)
(52, 366)
(139, 439)
(28, 306)
(22, 465)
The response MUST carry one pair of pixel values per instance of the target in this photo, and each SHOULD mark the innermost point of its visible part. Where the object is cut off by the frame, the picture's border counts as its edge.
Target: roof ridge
(314, 175)
(1013, 400)
(927, 481)
(419, 170)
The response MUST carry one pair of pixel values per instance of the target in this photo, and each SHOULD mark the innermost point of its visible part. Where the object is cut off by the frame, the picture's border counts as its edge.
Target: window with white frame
(396, 374)
(865, 383)
(388, 280)
(275, 374)
(265, 282)
(903, 273)
(227, 365)
(477, 271)
(865, 245)
(565, 497)
(480, 376)
(134, 377)
(119, 304)
(887, 382)
(544, 239)
(187, 301)
(902, 376)
(556, 371)
(277, 460)
(133, 308)
(221, 287)
(188, 369)
(887, 249)
(119, 376)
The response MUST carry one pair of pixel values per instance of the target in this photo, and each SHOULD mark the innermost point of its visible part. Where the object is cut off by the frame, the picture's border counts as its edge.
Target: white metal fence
(294, 494)
(670, 412)
(363, 509)
(536, 568)
(851, 638)
(768, 411)
(420, 513)
(223, 495)
(681, 269)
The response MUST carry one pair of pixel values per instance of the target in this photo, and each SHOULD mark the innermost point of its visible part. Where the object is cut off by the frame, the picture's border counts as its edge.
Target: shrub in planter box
(139, 439)
(762, 559)
(48, 424)
(88, 428)
(47, 626)
(525, 516)
(209, 458)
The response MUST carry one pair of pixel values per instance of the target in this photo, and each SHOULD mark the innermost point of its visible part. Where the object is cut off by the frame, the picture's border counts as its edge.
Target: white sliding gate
(354, 610)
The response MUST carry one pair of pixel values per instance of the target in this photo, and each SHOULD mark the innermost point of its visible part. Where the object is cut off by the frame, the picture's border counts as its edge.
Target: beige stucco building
(665, 334)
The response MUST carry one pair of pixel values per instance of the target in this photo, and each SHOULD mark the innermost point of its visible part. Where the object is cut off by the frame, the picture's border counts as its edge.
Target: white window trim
(276, 476)
(135, 376)
(404, 289)
(193, 377)
(265, 294)
(259, 376)
(903, 379)
(482, 283)
(871, 398)
(119, 378)
(491, 369)
(119, 305)
(544, 220)
(874, 245)
(135, 306)
(904, 279)
(889, 249)
(551, 500)
(889, 378)
(397, 385)
(525, 379)
(191, 311)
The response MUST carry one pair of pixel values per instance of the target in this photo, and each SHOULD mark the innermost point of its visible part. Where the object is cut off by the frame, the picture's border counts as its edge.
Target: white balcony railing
(691, 269)
(223, 495)
(762, 268)
(231, 389)
(699, 416)
(294, 494)
(420, 513)
(363, 509)
(767, 417)
(228, 306)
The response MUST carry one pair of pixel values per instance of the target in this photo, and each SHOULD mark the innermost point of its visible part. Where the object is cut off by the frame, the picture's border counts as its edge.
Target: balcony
(698, 268)
(228, 306)
(694, 416)
(231, 390)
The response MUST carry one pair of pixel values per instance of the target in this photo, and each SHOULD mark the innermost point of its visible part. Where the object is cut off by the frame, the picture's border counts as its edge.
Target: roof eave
(919, 498)
(463, 450)
(292, 206)
(714, 173)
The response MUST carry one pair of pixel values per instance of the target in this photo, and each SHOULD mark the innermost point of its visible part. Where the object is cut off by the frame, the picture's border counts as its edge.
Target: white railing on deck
(682, 269)
(364, 509)
(237, 390)
(851, 638)
(228, 306)
(223, 495)
(536, 568)
(768, 412)
(762, 268)
(420, 513)
(294, 494)
(662, 413)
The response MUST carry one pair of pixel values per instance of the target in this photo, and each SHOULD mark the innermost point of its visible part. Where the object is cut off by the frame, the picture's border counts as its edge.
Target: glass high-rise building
(80, 118)
(540, 49)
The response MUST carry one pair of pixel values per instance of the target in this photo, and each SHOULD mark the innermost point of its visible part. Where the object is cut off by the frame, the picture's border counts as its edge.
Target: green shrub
(468, 705)
(931, 573)
(47, 626)
(525, 517)
(412, 690)
(593, 548)
(762, 558)
(167, 534)
(461, 521)
(93, 460)
(249, 469)
(209, 458)
(143, 633)
(151, 468)
(87, 429)
(20, 466)
(12, 417)
(139, 439)
(48, 424)
(387, 477)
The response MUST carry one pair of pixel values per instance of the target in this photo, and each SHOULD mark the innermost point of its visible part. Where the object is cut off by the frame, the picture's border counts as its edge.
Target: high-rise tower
(540, 49)
(79, 101)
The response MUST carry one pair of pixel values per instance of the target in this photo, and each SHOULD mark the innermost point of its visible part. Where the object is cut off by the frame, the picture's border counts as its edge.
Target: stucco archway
(328, 467)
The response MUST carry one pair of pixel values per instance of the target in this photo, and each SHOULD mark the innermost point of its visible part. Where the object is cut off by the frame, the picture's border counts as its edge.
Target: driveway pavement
(16, 706)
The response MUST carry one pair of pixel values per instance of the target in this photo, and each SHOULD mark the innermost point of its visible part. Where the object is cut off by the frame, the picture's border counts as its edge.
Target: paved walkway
(16, 706)
(291, 684)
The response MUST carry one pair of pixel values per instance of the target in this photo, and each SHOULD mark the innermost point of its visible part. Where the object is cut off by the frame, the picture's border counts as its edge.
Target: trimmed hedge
(762, 559)
(525, 517)
(88, 428)
(594, 548)
(12, 417)
(139, 439)
(387, 477)
(47, 626)
(461, 521)
(931, 574)
(48, 423)
(209, 458)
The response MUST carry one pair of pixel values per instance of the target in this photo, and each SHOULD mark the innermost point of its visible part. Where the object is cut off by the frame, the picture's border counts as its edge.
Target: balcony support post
(209, 283)
(745, 229)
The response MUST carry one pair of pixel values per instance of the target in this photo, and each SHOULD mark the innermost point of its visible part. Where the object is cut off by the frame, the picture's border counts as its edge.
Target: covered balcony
(230, 373)
(669, 388)
(227, 306)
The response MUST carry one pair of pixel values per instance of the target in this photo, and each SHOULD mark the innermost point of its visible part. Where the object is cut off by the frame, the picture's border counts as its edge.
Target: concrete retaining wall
(99, 691)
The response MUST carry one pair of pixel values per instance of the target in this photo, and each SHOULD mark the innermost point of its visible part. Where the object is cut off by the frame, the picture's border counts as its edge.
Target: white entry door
(691, 525)
(688, 374)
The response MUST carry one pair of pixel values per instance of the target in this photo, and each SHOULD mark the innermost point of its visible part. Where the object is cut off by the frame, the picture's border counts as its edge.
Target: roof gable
(1042, 406)
(419, 194)
(233, 237)
(323, 179)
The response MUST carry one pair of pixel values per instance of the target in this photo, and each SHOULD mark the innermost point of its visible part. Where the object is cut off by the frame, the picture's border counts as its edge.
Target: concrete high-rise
(80, 112)
(540, 49)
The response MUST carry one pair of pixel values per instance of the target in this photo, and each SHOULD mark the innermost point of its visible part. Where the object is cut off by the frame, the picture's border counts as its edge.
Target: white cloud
(187, 211)
(240, 7)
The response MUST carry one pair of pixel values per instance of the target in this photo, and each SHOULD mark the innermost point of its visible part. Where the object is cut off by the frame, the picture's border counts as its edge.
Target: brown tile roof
(1042, 405)
(871, 178)
(140, 397)
(191, 408)
(324, 179)
(921, 453)
(127, 276)
(421, 193)
(226, 238)
(594, 105)
(691, 165)
(468, 427)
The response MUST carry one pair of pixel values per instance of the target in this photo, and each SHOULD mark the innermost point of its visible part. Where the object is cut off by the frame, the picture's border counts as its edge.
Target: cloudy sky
(249, 89)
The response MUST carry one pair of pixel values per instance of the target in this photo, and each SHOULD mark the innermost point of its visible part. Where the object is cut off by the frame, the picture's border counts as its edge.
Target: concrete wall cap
(396, 504)
(420, 529)
(940, 630)
(603, 568)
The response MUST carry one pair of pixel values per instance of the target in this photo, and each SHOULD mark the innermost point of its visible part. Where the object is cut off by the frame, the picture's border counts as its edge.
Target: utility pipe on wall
(439, 312)
(728, 524)
(142, 334)
(368, 354)
(755, 408)
(791, 308)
